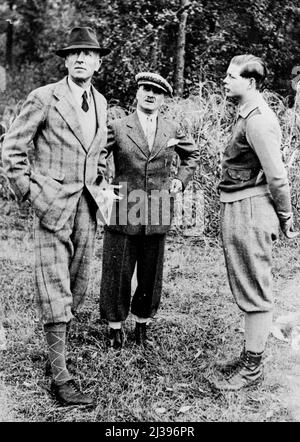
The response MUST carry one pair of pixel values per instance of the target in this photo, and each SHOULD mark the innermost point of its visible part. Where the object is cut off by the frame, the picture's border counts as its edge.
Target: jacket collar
(78, 91)
(250, 106)
(136, 134)
(66, 108)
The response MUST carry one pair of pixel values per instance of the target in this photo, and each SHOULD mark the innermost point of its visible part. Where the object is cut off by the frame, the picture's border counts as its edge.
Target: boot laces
(74, 386)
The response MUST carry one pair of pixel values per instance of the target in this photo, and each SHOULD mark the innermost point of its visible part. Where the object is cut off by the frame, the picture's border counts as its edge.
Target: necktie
(149, 131)
(84, 105)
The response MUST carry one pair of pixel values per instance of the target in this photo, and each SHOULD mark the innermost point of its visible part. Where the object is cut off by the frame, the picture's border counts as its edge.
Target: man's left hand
(176, 186)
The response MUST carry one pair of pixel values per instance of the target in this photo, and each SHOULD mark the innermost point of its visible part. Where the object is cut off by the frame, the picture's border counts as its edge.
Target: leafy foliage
(142, 35)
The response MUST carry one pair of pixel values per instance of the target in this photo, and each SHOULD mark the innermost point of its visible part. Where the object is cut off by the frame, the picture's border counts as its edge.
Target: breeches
(248, 228)
(120, 255)
(62, 262)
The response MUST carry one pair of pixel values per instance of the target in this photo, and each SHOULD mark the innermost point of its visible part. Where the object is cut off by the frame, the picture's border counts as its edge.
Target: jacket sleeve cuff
(284, 216)
(183, 177)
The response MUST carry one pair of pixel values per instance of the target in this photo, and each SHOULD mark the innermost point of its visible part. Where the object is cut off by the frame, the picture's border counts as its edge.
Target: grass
(197, 324)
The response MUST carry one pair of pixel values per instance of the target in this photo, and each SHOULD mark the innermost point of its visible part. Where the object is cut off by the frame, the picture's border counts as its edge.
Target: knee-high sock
(56, 339)
(257, 328)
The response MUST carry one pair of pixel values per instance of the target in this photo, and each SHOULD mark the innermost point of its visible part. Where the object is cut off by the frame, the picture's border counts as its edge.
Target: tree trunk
(180, 50)
(9, 44)
(154, 52)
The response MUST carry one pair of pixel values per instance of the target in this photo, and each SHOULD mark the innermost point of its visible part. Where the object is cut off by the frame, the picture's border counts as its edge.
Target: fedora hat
(82, 38)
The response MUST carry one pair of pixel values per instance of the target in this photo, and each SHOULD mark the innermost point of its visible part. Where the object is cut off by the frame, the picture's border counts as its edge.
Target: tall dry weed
(208, 117)
(9, 114)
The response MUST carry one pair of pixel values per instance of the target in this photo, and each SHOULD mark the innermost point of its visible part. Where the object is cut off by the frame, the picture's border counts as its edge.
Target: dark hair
(253, 67)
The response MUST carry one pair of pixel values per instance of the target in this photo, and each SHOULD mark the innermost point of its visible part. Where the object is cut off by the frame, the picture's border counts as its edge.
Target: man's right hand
(287, 228)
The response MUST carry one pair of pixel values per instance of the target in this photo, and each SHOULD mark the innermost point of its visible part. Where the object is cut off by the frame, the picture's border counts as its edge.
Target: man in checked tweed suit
(143, 146)
(66, 121)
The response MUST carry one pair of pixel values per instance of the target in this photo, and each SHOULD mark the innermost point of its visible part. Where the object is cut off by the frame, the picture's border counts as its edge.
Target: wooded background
(186, 41)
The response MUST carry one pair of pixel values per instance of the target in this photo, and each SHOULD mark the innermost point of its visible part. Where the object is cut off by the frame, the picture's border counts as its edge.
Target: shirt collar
(77, 91)
(143, 116)
(250, 105)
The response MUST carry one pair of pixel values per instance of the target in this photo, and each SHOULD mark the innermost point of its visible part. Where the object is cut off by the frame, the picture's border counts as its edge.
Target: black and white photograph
(149, 214)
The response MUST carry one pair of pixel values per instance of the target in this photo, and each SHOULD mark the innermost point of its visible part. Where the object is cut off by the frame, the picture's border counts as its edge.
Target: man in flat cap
(143, 145)
(66, 121)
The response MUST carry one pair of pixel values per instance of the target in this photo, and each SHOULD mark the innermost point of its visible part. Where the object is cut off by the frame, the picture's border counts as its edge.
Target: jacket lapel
(136, 133)
(98, 106)
(160, 138)
(100, 118)
(67, 110)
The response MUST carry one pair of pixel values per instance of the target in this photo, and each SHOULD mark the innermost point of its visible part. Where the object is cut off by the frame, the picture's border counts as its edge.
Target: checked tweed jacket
(63, 163)
(146, 173)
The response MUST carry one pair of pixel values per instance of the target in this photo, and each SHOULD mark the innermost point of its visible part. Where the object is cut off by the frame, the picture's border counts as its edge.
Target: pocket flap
(240, 174)
(172, 142)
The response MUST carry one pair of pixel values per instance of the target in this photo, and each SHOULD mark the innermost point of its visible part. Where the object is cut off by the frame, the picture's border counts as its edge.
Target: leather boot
(140, 333)
(249, 373)
(231, 366)
(69, 394)
(116, 338)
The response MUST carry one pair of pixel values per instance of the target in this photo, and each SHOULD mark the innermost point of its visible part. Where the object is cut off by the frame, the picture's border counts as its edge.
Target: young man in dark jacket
(255, 201)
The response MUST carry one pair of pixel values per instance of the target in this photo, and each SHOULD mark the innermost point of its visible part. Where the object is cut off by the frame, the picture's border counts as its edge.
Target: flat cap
(154, 80)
